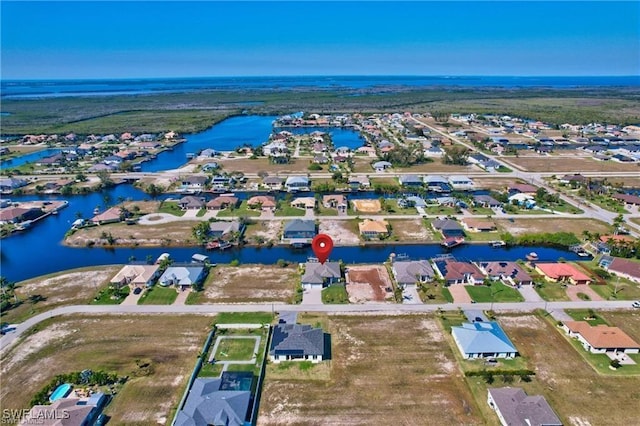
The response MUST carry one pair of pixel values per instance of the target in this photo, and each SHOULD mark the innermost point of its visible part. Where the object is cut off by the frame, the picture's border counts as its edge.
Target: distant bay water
(16, 89)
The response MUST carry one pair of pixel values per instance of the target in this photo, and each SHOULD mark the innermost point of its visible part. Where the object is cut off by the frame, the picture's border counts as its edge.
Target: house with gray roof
(318, 275)
(191, 203)
(273, 182)
(411, 180)
(299, 230)
(297, 183)
(221, 228)
(448, 227)
(381, 166)
(515, 408)
(486, 201)
(297, 342)
(182, 277)
(213, 402)
(410, 272)
(483, 340)
(437, 183)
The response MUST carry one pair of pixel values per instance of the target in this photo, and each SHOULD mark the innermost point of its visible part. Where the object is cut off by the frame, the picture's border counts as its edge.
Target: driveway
(182, 297)
(132, 299)
(530, 294)
(190, 214)
(312, 296)
(459, 293)
(573, 290)
(472, 314)
(410, 296)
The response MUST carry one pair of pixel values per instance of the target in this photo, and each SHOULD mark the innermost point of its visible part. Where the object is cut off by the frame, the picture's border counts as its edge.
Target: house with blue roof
(483, 340)
(182, 277)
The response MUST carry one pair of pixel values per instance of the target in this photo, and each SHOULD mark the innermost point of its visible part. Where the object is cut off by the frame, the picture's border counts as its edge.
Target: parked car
(137, 290)
(636, 304)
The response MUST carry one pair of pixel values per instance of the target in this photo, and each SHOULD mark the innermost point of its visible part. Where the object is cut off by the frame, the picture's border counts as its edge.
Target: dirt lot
(495, 184)
(340, 231)
(523, 226)
(366, 206)
(113, 343)
(167, 234)
(250, 283)
(569, 164)
(245, 165)
(404, 377)
(411, 230)
(578, 394)
(267, 229)
(369, 283)
(78, 286)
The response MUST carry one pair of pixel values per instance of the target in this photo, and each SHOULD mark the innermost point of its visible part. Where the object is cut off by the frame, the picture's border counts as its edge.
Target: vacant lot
(167, 234)
(495, 184)
(411, 230)
(73, 287)
(263, 230)
(579, 395)
(249, 283)
(366, 206)
(368, 283)
(568, 164)
(246, 165)
(340, 231)
(404, 377)
(169, 344)
(525, 226)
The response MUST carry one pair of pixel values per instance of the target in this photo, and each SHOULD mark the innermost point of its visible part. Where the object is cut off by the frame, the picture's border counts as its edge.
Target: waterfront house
(9, 184)
(273, 182)
(274, 148)
(411, 272)
(297, 183)
(299, 229)
(562, 272)
(183, 277)
(411, 181)
(461, 183)
(297, 342)
(448, 227)
(412, 201)
(110, 215)
(18, 214)
(358, 182)
(319, 275)
(194, 182)
(523, 200)
(600, 339)
(112, 160)
(455, 272)
(218, 401)
(515, 408)
(222, 228)
(370, 228)
(483, 340)
(381, 166)
(191, 203)
(437, 183)
(334, 201)
(486, 201)
(222, 202)
(306, 203)
(220, 182)
(506, 271)
(473, 224)
(137, 276)
(262, 202)
(621, 267)
(208, 153)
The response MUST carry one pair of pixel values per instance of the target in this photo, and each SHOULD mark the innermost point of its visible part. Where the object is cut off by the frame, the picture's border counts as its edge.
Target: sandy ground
(411, 230)
(573, 290)
(367, 206)
(267, 229)
(339, 231)
(257, 283)
(368, 284)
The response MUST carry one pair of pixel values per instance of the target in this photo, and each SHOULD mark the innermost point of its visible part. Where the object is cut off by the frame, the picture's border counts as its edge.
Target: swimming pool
(60, 392)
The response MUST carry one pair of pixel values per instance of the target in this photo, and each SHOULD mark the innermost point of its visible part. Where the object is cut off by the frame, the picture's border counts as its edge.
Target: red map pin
(322, 245)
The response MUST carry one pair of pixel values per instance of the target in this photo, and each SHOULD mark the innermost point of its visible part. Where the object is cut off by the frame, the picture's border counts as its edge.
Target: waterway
(39, 251)
(29, 158)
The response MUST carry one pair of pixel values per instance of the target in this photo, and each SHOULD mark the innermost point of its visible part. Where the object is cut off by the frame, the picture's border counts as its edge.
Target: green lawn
(158, 295)
(482, 236)
(481, 211)
(447, 294)
(235, 349)
(241, 210)
(582, 314)
(110, 296)
(452, 319)
(430, 293)
(551, 291)
(201, 212)
(244, 318)
(287, 210)
(440, 210)
(335, 294)
(194, 298)
(497, 292)
(170, 207)
(615, 289)
(210, 370)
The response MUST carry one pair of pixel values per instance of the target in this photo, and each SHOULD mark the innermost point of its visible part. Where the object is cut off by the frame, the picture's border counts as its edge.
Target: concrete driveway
(410, 296)
(573, 290)
(530, 294)
(459, 293)
(312, 296)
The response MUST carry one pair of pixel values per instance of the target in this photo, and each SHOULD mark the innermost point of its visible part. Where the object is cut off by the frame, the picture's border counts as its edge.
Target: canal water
(29, 158)
(39, 251)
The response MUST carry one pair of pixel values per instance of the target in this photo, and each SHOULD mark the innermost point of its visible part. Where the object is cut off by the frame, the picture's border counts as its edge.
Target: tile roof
(625, 266)
(562, 270)
(602, 336)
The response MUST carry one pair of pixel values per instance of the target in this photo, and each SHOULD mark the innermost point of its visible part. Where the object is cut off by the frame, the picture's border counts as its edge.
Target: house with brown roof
(336, 201)
(373, 228)
(601, 338)
(262, 202)
(111, 215)
(562, 272)
(222, 202)
(506, 271)
(478, 225)
(136, 275)
(522, 188)
(624, 268)
(628, 199)
(455, 272)
(18, 214)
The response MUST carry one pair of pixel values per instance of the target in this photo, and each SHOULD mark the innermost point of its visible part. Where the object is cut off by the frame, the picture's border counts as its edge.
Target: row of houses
(180, 276)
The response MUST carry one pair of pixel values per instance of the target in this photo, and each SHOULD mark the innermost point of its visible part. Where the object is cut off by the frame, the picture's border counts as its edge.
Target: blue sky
(50, 40)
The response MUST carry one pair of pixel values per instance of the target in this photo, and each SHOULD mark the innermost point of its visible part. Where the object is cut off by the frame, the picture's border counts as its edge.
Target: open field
(569, 164)
(368, 283)
(560, 224)
(380, 369)
(169, 344)
(247, 165)
(264, 230)
(248, 283)
(165, 234)
(411, 230)
(341, 231)
(72, 287)
(366, 206)
(577, 393)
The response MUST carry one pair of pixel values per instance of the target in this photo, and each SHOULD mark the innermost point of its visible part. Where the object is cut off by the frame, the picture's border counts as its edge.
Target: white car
(636, 304)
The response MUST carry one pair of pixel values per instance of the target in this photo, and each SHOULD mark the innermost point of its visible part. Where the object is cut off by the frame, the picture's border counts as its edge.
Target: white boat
(496, 244)
(532, 256)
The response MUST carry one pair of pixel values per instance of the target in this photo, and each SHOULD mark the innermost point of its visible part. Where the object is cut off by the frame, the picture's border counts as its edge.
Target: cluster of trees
(552, 239)
(406, 155)
(456, 155)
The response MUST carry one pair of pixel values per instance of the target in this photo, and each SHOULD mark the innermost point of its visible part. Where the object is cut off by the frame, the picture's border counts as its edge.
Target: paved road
(370, 308)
